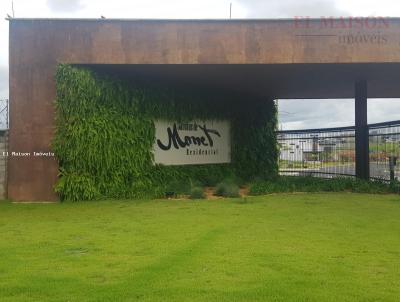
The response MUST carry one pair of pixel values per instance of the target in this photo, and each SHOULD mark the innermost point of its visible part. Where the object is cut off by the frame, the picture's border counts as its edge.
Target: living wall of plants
(105, 134)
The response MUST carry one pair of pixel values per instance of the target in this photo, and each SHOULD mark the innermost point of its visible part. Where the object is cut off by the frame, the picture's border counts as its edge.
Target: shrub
(260, 188)
(197, 193)
(227, 188)
(310, 184)
(395, 187)
(176, 187)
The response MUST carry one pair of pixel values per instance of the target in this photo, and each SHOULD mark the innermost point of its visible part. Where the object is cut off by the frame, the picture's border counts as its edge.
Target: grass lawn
(304, 247)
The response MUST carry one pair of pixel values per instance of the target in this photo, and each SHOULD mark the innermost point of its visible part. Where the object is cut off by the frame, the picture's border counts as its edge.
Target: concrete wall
(37, 46)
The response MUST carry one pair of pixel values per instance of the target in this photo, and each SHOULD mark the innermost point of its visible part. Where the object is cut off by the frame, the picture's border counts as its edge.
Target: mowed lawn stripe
(289, 247)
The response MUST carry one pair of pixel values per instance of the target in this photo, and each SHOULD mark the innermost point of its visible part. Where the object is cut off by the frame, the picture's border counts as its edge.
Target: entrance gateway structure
(264, 59)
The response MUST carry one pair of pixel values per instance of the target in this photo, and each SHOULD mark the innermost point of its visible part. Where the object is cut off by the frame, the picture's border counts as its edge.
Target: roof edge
(300, 18)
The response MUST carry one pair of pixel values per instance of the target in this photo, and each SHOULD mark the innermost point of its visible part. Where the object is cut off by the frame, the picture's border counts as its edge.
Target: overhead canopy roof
(272, 81)
(278, 58)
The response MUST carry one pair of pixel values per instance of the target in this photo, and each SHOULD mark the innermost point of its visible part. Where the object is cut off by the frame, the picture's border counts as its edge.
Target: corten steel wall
(37, 46)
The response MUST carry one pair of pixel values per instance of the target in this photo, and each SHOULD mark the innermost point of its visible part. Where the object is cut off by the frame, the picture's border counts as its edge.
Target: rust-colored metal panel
(196, 42)
(38, 45)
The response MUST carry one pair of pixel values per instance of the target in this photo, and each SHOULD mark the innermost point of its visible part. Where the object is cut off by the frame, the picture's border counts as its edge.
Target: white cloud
(64, 5)
(292, 8)
(308, 114)
(370, 7)
(3, 82)
(298, 114)
(382, 110)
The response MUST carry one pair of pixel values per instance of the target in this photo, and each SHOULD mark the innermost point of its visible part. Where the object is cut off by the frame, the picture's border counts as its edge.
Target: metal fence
(330, 152)
(4, 114)
(4, 126)
(384, 150)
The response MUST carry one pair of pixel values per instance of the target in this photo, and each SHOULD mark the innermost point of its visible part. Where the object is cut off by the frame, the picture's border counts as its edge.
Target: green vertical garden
(105, 134)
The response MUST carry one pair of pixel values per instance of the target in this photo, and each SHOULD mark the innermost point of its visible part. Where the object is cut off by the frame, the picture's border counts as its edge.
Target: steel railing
(330, 152)
(4, 113)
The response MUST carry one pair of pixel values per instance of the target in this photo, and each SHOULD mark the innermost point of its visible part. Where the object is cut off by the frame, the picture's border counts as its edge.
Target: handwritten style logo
(175, 140)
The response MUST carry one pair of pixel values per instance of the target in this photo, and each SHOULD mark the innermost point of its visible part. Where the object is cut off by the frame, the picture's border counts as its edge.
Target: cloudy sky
(293, 114)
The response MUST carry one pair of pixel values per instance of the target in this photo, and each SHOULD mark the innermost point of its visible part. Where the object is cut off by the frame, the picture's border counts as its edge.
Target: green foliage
(254, 129)
(311, 184)
(197, 193)
(176, 188)
(77, 187)
(227, 188)
(105, 134)
(205, 175)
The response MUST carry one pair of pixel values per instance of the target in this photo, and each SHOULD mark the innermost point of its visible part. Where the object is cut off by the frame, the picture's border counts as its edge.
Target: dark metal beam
(361, 133)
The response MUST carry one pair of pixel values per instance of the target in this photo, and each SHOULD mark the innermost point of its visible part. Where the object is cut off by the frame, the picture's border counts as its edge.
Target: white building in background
(306, 149)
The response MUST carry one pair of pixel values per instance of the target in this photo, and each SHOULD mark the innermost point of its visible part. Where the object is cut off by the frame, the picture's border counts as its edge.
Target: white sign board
(196, 142)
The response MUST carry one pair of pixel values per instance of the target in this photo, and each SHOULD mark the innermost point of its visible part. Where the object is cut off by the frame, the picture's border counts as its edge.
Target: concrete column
(361, 133)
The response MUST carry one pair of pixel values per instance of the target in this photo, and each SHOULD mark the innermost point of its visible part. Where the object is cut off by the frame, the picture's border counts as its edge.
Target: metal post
(361, 133)
(392, 166)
